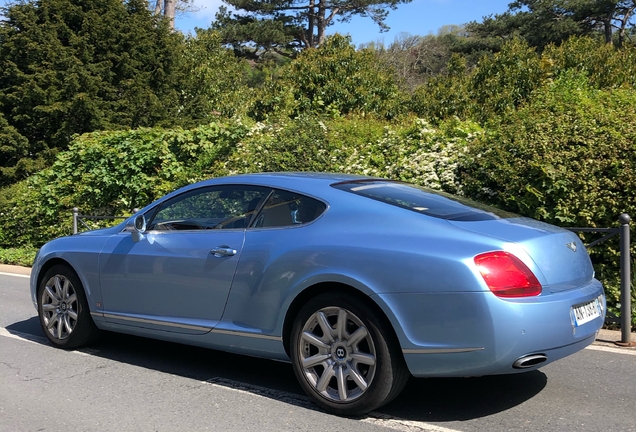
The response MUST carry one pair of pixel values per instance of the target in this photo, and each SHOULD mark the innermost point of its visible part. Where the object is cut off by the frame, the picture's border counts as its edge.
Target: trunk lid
(559, 254)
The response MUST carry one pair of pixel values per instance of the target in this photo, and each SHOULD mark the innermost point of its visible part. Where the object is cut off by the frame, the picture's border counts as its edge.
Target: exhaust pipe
(529, 361)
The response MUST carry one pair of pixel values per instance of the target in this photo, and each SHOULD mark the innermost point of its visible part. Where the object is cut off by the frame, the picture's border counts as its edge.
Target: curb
(4, 268)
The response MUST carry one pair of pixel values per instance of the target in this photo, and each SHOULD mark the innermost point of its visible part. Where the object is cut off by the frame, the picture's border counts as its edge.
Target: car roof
(290, 180)
(311, 176)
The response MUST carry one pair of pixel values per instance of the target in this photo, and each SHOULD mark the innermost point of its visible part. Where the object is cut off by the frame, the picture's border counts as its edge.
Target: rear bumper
(477, 333)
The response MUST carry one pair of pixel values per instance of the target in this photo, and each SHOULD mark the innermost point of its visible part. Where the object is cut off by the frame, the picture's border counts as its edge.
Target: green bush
(505, 81)
(335, 80)
(497, 85)
(567, 157)
(110, 173)
(18, 256)
(605, 66)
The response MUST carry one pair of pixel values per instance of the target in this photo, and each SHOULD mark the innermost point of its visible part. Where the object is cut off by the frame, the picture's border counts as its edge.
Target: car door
(178, 275)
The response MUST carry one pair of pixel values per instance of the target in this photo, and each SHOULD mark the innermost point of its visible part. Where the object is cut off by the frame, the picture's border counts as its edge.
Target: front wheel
(63, 309)
(345, 358)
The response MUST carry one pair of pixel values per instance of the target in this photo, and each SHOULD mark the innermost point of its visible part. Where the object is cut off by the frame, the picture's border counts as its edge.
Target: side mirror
(137, 227)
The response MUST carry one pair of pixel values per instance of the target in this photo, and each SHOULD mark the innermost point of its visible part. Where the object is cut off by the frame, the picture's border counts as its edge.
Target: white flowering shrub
(412, 150)
(434, 155)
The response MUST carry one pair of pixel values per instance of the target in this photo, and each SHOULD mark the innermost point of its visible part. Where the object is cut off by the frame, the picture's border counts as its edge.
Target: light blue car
(360, 282)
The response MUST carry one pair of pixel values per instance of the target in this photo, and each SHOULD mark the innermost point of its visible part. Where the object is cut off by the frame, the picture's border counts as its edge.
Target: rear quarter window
(423, 200)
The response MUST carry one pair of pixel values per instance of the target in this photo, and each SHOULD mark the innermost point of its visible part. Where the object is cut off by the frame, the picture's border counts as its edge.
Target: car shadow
(430, 400)
(460, 399)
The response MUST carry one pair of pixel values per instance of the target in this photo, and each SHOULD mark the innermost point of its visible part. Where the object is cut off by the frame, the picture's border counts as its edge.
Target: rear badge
(571, 246)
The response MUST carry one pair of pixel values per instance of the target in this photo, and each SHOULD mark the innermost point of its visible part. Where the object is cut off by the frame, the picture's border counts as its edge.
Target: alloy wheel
(59, 307)
(337, 354)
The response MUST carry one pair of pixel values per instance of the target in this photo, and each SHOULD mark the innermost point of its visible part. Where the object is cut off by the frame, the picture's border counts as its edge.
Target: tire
(346, 359)
(63, 309)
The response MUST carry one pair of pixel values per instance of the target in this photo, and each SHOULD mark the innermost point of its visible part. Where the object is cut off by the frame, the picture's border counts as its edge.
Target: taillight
(506, 275)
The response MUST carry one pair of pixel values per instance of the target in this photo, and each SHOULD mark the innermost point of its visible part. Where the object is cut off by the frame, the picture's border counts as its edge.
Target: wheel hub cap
(341, 353)
(337, 354)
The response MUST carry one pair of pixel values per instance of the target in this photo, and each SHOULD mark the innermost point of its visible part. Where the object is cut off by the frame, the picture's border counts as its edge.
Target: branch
(334, 11)
(282, 53)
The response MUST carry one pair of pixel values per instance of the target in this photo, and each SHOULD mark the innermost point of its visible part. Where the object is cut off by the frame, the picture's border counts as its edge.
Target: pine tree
(289, 26)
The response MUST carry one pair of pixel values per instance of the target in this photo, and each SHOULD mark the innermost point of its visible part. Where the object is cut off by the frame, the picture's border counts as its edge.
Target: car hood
(103, 231)
(559, 254)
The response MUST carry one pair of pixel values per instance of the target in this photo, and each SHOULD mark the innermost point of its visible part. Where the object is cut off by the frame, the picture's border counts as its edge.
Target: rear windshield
(422, 200)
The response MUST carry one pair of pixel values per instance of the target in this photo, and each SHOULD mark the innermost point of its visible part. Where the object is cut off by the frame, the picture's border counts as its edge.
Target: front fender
(81, 253)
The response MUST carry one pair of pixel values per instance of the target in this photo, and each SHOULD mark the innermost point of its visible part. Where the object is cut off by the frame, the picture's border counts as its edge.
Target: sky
(420, 17)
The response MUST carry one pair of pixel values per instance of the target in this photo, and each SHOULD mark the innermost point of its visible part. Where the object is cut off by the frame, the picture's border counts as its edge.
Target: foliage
(410, 150)
(18, 256)
(13, 149)
(70, 66)
(498, 84)
(604, 66)
(545, 22)
(567, 157)
(508, 79)
(287, 26)
(210, 81)
(110, 173)
(334, 79)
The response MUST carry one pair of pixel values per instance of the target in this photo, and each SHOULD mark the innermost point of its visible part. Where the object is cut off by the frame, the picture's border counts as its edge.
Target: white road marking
(16, 275)
(38, 340)
(403, 425)
(617, 350)
(374, 418)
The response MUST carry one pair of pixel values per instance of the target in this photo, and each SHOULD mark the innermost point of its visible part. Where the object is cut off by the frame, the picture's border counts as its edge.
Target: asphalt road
(125, 383)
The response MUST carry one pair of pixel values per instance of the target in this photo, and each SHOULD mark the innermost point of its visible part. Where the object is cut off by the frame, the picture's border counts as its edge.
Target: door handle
(223, 251)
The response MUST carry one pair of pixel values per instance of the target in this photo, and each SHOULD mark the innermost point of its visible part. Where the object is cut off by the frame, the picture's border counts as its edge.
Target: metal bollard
(626, 279)
(75, 214)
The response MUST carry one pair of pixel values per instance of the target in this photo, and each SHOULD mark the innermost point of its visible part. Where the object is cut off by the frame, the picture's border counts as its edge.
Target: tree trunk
(321, 23)
(169, 8)
(311, 16)
(607, 24)
(158, 5)
(627, 14)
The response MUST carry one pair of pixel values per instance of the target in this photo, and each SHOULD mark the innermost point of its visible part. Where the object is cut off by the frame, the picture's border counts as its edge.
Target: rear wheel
(345, 358)
(63, 309)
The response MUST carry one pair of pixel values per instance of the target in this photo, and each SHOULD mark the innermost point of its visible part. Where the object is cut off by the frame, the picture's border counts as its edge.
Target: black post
(626, 295)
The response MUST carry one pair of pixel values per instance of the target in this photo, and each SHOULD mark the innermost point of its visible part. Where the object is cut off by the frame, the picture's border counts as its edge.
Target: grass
(18, 256)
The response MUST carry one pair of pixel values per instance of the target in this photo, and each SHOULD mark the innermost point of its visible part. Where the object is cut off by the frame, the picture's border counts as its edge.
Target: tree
(542, 22)
(416, 59)
(170, 8)
(609, 14)
(289, 26)
(13, 148)
(74, 66)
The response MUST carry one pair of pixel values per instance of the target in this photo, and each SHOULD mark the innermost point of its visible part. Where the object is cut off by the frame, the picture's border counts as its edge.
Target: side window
(215, 207)
(285, 208)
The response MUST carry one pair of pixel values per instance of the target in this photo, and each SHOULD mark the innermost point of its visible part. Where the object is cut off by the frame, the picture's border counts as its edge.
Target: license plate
(586, 312)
